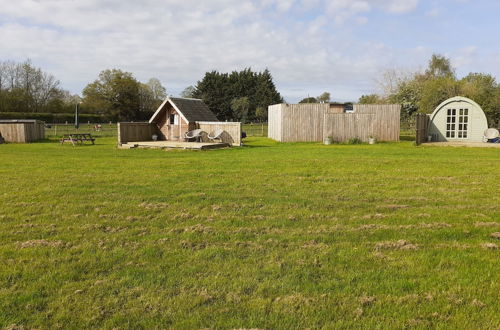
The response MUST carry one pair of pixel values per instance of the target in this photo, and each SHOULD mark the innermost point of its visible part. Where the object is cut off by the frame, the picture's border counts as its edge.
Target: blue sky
(310, 46)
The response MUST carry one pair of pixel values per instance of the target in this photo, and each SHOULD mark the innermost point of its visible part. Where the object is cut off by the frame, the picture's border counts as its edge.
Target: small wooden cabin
(457, 119)
(22, 131)
(176, 116)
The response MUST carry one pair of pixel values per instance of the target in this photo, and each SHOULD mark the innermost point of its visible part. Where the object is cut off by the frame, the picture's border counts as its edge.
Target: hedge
(53, 118)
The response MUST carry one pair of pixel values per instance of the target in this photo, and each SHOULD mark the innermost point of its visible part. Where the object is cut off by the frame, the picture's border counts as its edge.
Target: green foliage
(218, 90)
(240, 108)
(484, 89)
(440, 67)
(26, 88)
(354, 140)
(118, 94)
(434, 91)
(189, 92)
(324, 98)
(50, 118)
(309, 99)
(261, 114)
(274, 236)
(424, 92)
(370, 99)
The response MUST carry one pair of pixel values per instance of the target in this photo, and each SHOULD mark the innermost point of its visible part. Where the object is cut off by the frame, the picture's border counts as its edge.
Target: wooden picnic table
(78, 138)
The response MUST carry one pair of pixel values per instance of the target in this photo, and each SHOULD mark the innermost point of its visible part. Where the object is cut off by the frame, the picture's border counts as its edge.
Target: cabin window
(457, 123)
(174, 119)
(463, 123)
(451, 118)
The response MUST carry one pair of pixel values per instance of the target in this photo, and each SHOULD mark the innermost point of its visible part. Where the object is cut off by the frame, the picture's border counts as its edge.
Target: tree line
(26, 88)
(423, 91)
(239, 95)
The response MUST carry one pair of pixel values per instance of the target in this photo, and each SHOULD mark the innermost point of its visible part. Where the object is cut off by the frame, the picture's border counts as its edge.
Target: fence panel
(342, 127)
(135, 132)
(421, 128)
(232, 130)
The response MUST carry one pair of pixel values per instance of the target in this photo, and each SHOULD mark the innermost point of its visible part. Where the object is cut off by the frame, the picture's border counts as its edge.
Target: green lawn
(268, 235)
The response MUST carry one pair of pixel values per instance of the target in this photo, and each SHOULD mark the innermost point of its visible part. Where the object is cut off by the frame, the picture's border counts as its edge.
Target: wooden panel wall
(421, 130)
(274, 121)
(135, 132)
(303, 122)
(23, 132)
(232, 130)
(12, 132)
(386, 121)
(342, 127)
(306, 122)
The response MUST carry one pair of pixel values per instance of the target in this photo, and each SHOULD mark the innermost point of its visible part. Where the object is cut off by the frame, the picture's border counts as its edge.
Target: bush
(354, 141)
(54, 118)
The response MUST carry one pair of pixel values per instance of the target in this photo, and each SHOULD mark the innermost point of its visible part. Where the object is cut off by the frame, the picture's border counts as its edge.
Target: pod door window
(457, 123)
(174, 119)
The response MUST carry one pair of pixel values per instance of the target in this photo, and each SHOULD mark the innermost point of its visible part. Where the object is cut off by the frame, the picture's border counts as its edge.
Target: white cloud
(307, 44)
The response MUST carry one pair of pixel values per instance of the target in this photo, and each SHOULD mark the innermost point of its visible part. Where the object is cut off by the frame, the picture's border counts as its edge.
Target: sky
(310, 46)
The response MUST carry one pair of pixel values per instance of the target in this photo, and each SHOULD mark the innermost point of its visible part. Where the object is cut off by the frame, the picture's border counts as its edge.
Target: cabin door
(174, 127)
(457, 123)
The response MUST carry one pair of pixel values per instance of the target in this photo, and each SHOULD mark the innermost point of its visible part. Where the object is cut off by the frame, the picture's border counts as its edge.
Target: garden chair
(216, 135)
(195, 134)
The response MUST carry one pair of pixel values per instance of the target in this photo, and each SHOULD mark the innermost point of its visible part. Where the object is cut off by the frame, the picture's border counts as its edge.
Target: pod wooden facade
(315, 122)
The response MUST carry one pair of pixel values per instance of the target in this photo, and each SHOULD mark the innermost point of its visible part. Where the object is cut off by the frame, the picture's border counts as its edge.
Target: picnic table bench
(78, 138)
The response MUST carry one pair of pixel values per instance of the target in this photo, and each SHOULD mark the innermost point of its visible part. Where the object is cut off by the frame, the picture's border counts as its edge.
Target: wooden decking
(463, 144)
(174, 145)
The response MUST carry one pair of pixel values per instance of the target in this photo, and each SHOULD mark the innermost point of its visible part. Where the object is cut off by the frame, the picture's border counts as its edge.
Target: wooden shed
(457, 119)
(315, 122)
(22, 131)
(175, 116)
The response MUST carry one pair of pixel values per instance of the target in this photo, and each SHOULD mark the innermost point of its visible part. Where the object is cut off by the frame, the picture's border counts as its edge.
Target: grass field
(268, 235)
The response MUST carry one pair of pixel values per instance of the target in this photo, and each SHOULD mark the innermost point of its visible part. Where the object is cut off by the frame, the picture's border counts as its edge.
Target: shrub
(354, 141)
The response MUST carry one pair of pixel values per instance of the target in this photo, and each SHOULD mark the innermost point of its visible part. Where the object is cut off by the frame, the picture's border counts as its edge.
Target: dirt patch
(478, 303)
(396, 245)
(394, 206)
(41, 242)
(153, 206)
(487, 224)
(375, 216)
(183, 216)
(198, 229)
(372, 226)
(490, 246)
(367, 300)
(314, 245)
(192, 245)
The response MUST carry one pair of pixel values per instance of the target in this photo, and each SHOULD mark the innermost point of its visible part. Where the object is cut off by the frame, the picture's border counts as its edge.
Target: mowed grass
(268, 235)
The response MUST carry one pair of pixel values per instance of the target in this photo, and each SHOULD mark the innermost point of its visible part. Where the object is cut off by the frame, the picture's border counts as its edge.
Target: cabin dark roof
(191, 109)
(194, 109)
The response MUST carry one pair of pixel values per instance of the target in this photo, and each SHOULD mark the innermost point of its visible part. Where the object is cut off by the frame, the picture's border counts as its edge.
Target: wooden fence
(297, 122)
(343, 127)
(386, 122)
(232, 130)
(135, 132)
(274, 122)
(22, 131)
(421, 128)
